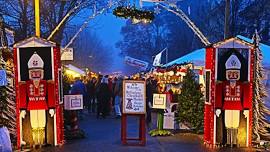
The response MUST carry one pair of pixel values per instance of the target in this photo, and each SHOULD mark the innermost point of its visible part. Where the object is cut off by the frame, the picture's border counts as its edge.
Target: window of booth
(207, 86)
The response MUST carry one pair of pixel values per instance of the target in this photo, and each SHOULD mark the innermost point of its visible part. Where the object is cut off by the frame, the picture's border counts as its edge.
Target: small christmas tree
(260, 111)
(191, 103)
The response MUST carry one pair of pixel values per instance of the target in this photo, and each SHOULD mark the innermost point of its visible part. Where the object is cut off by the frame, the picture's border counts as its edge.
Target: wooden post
(160, 120)
(142, 131)
(37, 18)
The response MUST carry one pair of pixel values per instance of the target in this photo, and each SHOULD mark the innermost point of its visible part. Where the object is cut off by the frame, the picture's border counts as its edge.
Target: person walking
(104, 96)
(118, 92)
(150, 90)
(91, 89)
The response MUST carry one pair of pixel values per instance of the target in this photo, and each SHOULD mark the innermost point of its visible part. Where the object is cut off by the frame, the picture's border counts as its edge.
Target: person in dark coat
(104, 96)
(150, 90)
(91, 90)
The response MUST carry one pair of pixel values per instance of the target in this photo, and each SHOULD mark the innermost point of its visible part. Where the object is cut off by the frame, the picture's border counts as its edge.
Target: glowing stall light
(171, 73)
(72, 73)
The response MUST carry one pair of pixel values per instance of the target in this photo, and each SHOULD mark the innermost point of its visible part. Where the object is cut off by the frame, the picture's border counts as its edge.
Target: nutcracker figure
(232, 99)
(36, 91)
(37, 95)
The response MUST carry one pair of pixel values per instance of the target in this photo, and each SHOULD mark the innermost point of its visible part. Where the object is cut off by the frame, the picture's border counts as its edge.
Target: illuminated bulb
(171, 73)
(146, 21)
(135, 21)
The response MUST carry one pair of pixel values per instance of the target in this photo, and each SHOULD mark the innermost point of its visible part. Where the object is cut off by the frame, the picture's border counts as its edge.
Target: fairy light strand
(186, 19)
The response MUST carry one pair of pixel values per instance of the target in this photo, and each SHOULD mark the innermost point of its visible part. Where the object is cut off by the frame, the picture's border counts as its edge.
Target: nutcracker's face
(36, 74)
(232, 74)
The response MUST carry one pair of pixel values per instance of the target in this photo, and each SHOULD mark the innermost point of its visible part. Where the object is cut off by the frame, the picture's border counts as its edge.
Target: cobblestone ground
(103, 135)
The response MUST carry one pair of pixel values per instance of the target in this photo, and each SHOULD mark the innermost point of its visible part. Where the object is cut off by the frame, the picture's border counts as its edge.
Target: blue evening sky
(108, 27)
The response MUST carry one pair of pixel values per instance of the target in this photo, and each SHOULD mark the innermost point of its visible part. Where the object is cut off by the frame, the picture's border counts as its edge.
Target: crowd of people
(102, 95)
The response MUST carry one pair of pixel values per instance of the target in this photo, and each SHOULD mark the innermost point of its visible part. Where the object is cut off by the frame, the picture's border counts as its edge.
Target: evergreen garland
(133, 12)
(191, 104)
(7, 93)
(260, 111)
(7, 97)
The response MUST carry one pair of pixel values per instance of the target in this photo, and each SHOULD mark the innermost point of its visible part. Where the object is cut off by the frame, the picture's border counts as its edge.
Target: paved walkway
(103, 135)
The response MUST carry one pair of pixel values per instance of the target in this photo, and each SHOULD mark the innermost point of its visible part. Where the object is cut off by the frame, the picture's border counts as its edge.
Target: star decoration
(157, 10)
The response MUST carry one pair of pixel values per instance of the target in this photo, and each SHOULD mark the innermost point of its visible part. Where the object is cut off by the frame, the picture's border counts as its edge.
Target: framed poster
(134, 97)
(73, 102)
(159, 101)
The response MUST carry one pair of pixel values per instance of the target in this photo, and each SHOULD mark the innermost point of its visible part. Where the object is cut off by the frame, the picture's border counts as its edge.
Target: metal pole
(37, 18)
(227, 20)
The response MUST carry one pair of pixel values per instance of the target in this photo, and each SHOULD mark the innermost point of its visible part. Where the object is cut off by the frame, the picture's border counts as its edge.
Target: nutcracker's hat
(35, 62)
(233, 63)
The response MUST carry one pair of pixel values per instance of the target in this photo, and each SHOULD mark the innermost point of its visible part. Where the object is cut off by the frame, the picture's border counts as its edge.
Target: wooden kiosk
(38, 94)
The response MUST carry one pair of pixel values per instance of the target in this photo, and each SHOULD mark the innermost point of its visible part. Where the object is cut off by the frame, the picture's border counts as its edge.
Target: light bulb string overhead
(85, 24)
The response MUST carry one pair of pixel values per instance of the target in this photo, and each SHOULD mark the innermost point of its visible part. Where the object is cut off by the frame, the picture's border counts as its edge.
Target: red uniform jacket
(232, 98)
(37, 97)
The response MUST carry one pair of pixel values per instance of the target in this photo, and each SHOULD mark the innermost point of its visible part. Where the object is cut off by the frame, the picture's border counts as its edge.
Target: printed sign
(136, 63)
(73, 102)
(159, 101)
(134, 97)
(67, 54)
(3, 78)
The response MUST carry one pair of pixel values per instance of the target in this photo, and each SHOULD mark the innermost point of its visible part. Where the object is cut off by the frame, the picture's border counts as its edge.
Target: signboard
(67, 54)
(73, 102)
(134, 97)
(136, 63)
(159, 101)
(3, 78)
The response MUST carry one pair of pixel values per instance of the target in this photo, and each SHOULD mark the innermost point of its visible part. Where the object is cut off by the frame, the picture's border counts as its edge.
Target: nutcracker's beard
(36, 74)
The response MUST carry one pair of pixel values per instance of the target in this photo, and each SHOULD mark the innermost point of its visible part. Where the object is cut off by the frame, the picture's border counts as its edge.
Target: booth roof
(75, 69)
(198, 56)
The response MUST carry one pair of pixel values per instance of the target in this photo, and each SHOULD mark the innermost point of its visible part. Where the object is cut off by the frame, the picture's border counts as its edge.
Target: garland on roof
(135, 14)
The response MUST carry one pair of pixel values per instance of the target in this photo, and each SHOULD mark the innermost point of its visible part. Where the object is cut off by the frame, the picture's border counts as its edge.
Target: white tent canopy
(198, 56)
(75, 69)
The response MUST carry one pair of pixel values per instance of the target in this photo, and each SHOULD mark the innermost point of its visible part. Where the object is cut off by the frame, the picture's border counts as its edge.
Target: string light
(111, 4)
(186, 19)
